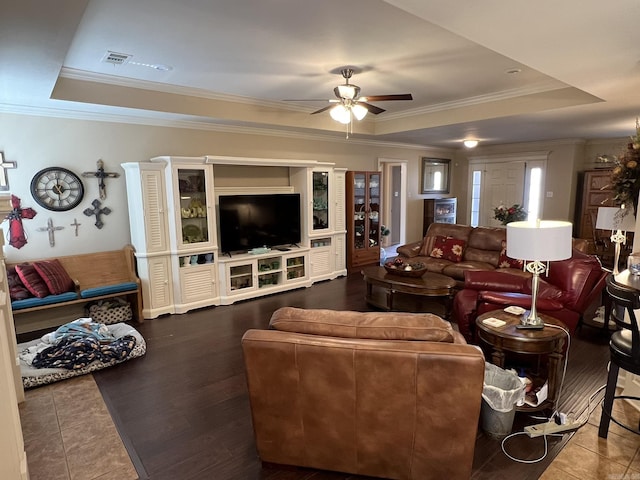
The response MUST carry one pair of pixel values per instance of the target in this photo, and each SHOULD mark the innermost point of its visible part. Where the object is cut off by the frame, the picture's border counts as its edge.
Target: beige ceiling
(233, 62)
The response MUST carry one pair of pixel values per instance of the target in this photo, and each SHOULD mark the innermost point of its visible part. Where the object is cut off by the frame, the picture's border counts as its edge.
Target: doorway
(505, 181)
(394, 201)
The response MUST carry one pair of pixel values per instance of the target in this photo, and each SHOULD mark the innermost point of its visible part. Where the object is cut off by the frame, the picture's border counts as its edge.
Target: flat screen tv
(252, 221)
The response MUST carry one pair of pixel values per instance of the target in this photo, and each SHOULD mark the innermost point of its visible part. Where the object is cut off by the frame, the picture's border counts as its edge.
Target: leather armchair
(571, 286)
(392, 395)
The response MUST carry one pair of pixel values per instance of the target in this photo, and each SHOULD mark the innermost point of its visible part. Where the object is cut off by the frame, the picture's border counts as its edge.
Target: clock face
(57, 189)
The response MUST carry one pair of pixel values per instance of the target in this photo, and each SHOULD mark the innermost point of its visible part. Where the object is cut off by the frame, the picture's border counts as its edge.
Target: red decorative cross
(17, 238)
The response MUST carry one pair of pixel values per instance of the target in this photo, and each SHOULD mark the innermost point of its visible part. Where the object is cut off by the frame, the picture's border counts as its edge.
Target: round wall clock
(57, 189)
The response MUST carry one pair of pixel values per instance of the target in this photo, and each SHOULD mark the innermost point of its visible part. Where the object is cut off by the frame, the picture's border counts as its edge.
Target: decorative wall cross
(97, 211)
(75, 224)
(51, 229)
(4, 181)
(100, 174)
(17, 237)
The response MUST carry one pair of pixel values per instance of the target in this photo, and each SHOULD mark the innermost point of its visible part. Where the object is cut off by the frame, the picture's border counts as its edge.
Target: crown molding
(201, 125)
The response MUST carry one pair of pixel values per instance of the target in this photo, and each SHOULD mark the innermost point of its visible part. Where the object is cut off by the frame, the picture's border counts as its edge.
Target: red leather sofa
(570, 287)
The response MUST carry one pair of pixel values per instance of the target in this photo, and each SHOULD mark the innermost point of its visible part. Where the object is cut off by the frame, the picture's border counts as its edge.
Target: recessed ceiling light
(470, 143)
(513, 71)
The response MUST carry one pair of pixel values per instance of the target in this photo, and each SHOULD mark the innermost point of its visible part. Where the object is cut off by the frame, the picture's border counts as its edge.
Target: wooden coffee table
(545, 343)
(429, 285)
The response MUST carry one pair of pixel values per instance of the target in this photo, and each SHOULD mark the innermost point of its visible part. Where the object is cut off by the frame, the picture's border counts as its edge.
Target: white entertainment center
(173, 215)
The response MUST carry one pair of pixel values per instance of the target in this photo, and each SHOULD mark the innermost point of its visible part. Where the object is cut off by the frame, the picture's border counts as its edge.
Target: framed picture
(435, 175)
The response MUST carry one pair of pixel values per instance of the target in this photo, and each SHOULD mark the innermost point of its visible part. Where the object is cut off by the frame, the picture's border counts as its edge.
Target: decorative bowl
(400, 271)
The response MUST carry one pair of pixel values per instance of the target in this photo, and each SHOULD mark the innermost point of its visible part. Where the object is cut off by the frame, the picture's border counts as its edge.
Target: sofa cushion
(427, 245)
(370, 325)
(17, 290)
(32, 280)
(108, 289)
(448, 248)
(48, 300)
(54, 275)
(457, 270)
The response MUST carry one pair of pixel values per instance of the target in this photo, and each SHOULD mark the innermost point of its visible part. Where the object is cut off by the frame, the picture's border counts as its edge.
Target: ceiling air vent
(116, 58)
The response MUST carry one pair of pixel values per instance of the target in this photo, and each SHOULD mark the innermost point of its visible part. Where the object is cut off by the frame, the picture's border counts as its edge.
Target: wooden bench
(97, 276)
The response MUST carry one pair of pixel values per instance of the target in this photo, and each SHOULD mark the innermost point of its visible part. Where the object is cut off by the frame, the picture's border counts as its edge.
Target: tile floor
(588, 456)
(69, 435)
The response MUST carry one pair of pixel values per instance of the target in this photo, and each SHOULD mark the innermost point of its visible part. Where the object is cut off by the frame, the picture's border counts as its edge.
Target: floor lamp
(619, 221)
(537, 242)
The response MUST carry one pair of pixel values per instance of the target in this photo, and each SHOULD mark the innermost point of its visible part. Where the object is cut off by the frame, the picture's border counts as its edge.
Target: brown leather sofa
(392, 395)
(483, 250)
(568, 290)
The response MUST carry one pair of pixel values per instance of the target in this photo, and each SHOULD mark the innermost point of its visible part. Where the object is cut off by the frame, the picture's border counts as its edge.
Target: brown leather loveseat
(393, 395)
(481, 248)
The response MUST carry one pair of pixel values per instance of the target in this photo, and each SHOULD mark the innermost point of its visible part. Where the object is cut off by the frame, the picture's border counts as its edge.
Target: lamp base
(529, 326)
(525, 322)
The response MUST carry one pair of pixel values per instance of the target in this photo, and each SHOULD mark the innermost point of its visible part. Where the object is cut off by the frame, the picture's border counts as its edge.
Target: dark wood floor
(183, 411)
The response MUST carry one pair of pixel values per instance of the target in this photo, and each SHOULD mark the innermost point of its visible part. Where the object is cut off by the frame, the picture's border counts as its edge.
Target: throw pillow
(32, 280)
(427, 245)
(508, 262)
(17, 290)
(448, 248)
(54, 275)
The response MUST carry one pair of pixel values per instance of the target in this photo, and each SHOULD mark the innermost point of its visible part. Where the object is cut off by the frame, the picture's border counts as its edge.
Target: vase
(383, 255)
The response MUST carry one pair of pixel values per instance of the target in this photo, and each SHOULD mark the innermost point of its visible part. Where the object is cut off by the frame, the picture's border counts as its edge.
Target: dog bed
(35, 377)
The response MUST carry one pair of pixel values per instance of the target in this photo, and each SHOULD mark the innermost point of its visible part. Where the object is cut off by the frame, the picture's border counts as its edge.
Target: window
(476, 179)
(534, 185)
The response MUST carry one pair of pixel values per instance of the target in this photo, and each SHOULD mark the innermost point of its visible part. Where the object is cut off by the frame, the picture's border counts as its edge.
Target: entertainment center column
(192, 232)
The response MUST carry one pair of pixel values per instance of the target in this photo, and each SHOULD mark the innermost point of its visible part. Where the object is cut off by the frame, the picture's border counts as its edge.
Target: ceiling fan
(348, 101)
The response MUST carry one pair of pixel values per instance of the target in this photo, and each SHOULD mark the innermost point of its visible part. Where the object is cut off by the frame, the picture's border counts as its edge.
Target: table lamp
(619, 221)
(536, 242)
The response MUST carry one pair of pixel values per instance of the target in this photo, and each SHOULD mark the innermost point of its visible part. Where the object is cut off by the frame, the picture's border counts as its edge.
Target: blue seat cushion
(98, 291)
(48, 300)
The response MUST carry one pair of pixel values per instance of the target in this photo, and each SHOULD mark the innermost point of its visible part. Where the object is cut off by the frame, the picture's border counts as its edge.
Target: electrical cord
(555, 414)
(546, 444)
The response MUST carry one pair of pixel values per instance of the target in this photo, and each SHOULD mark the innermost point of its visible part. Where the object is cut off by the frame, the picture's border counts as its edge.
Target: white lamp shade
(340, 113)
(545, 240)
(359, 111)
(614, 218)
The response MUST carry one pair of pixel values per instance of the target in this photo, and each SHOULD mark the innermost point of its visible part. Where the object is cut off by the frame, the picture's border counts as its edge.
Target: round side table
(548, 341)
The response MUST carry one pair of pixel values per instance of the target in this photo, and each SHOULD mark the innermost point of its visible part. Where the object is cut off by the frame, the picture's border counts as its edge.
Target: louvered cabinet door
(159, 291)
(198, 283)
(155, 219)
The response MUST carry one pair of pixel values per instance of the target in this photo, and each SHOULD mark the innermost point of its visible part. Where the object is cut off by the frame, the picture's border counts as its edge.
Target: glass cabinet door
(360, 209)
(373, 211)
(193, 206)
(320, 184)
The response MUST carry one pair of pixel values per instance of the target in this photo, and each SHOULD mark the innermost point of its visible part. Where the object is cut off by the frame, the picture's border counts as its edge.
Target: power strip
(548, 428)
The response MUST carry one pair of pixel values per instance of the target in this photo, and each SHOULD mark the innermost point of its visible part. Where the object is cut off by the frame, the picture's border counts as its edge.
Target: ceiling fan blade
(324, 109)
(372, 108)
(306, 100)
(385, 98)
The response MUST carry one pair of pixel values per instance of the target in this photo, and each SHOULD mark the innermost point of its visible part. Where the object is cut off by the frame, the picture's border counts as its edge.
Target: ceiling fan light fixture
(359, 111)
(348, 91)
(470, 143)
(341, 114)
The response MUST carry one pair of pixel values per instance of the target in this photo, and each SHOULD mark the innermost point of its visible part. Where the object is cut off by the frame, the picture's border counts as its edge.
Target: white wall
(36, 142)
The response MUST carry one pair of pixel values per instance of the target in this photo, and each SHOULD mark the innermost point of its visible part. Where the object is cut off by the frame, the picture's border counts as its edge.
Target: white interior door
(503, 183)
